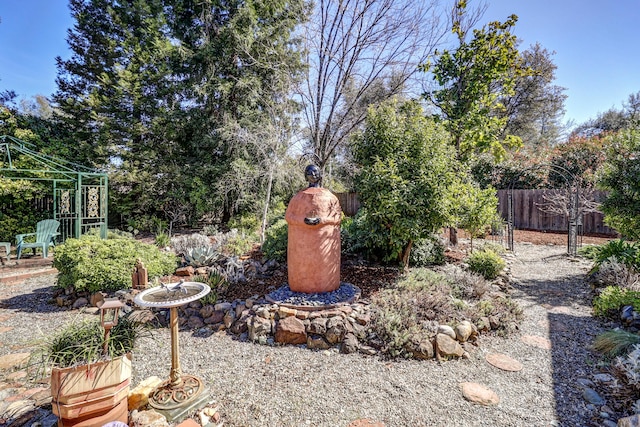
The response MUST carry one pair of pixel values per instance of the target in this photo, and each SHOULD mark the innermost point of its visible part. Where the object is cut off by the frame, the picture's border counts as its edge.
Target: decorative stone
(229, 318)
(632, 421)
(464, 330)
(591, 396)
(317, 342)
(318, 326)
(258, 327)
(13, 360)
(313, 249)
(222, 306)
(149, 418)
(423, 350)
(447, 330)
(477, 393)
(504, 362)
(291, 330)
(96, 297)
(139, 395)
(536, 341)
(185, 271)
(195, 322)
(216, 317)
(80, 302)
(447, 346)
(207, 311)
(349, 344)
(286, 312)
(336, 330)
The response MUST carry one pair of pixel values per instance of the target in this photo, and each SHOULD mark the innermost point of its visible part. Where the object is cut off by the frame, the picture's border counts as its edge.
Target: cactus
(203, 256)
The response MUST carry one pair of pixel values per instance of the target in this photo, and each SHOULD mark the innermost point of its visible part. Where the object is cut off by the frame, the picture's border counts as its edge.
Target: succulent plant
(202, 256)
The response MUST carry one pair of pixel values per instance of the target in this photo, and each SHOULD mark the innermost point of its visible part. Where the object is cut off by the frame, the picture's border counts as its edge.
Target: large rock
(318, 326)
(139, 396)
(423, 349)
(317, 342)
(447, 330)
(448, 347)
(291, 330)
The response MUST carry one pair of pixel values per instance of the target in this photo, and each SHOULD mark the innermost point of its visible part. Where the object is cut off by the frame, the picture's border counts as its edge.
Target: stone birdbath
(181, 393)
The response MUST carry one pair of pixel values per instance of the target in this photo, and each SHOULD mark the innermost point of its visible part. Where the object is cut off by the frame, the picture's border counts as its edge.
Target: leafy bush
(612, 299)
(625, 252)
(464, 284)
(240, 243)
(486, 262)
(92, 264)
(275, 242)
(426, 252)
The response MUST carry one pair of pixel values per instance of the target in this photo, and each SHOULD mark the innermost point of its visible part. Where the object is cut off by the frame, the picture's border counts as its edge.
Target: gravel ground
(289, 386)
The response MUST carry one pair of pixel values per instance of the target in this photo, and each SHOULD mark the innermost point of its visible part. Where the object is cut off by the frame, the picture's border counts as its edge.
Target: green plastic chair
(46, 233)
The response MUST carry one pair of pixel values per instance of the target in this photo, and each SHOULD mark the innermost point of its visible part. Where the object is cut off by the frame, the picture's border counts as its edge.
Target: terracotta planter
(85, 395)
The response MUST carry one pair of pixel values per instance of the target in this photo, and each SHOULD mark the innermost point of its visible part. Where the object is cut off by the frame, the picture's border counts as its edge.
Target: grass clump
(486, 263)
(615, 343)
(93, 264)
(81, 342)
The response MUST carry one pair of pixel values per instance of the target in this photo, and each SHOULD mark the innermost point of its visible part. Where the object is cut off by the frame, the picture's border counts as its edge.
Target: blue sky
(597, 45)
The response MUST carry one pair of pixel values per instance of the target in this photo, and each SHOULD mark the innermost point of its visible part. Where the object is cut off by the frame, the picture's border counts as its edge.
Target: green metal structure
(80, 194)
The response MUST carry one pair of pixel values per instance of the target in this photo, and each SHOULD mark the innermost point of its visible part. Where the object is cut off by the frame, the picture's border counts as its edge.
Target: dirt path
(257, 385)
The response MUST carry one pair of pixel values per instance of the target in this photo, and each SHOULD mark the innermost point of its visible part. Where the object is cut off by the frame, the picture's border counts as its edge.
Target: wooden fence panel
(528, 213)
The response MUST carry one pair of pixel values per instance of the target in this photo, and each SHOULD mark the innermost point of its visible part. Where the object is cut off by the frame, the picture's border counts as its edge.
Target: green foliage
(92, 264)
(241, 243)
(473, 80)
(612, 299)
(275, 242)
(472, 208)
(486, 263)
(162, 239)
(623, 251)
(620, 178)
(615, 343)
(404, 172)
(82, 342)
(427, 251)
(216, 282)
(248, 223)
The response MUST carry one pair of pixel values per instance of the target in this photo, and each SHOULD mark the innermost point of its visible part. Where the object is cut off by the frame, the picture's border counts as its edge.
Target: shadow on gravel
(572, 330)
(37, 300)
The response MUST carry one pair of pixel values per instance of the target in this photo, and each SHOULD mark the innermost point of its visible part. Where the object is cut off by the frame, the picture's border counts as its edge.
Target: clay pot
(313, 249)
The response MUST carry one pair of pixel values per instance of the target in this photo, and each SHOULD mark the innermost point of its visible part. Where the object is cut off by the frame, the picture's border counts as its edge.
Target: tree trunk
(405, 255)
(453, 236)
(263, 229)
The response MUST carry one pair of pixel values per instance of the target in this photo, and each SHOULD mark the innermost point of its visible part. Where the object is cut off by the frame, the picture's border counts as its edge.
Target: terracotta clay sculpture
(313, 250)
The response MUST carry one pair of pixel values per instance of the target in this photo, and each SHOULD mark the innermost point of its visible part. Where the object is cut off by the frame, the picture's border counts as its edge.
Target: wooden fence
(529, 214)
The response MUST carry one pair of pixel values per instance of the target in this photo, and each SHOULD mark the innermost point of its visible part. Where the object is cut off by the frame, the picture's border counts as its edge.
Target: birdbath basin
(180, 393)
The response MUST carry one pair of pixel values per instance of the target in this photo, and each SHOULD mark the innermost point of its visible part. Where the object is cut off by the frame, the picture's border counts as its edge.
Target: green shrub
(240, 243)
(411, 311)
(216, 282)
(162, 239)
(625, 252)
(92, 264)
(247, 222)
(486, 263)
(275, 241)
(426, 252)
(612, 299)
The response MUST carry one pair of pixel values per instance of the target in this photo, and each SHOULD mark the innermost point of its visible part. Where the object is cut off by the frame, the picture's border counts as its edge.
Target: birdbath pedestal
(181, 393)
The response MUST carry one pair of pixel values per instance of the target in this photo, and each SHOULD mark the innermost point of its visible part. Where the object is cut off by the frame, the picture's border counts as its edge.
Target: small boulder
(447, 330)
(291, 330)
(448, 347)
(350, 344)
(480, 394)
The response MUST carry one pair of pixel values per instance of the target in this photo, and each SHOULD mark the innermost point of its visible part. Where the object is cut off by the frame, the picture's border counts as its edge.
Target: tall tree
(472, 80)
(534, 111)
(360, 52)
